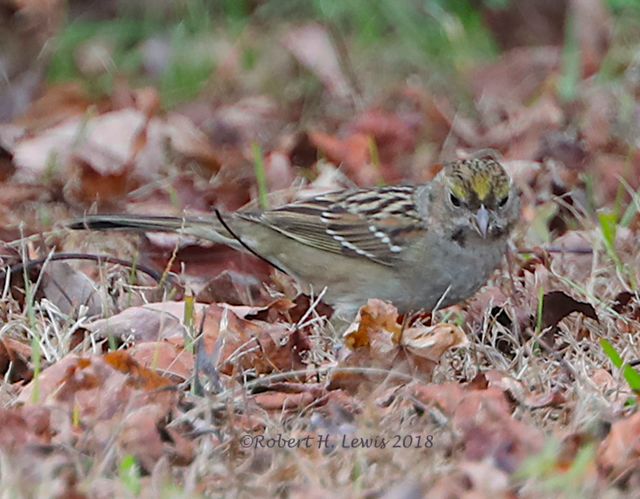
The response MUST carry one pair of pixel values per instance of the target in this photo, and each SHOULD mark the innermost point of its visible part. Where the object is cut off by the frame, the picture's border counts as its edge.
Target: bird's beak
(482, 221)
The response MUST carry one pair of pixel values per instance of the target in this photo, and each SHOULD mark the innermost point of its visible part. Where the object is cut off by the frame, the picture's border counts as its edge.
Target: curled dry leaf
(495, 81)
(517, 391)
(526, 122)
(431, 342)
(376, 340)
(109, 153)
(250, 344)
(375, 318)
(190, 142)
(111, 134)
(105, 393)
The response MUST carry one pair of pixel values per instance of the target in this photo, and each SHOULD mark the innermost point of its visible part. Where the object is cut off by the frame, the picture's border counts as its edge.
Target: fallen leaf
(376, 341)
(24, 426)
(502, 80)
(483, 418)
(97, 386)
(170, 359)
(69, 289)
(57, 104)
(150, 322)
(14, 360)
(433, 341)
(593, 29)
(556, 305)
(145, 436)
(472, 479)
(231, 287)
(141, 377)
(353, 152)
(249, 344)
(376, 318)
(311, 45)
(620, 451)
(191, 143)
(289, 397)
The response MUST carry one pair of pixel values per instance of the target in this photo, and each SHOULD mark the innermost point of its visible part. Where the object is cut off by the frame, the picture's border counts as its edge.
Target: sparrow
(420, 247)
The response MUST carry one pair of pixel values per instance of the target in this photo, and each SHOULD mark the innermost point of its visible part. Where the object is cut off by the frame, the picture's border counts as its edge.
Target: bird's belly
(456, 276)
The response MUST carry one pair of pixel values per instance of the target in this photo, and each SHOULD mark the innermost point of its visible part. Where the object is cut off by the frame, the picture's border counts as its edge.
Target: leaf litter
(102, 367)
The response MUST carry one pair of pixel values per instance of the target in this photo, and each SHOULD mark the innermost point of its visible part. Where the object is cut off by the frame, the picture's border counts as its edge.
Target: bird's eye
(502, 202)
(454, 200)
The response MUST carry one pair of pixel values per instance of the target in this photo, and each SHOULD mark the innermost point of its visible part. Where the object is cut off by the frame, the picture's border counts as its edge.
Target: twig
(558, 249)
(26, 266)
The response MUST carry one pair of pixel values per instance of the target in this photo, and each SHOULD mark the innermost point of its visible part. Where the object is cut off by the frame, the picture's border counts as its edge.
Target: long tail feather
(208, 228)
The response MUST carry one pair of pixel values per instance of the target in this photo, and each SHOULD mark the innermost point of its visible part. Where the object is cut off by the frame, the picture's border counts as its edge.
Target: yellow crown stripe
(481, 185)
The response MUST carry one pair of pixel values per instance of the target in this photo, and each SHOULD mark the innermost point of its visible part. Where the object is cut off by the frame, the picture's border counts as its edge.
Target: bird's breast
(448, 274)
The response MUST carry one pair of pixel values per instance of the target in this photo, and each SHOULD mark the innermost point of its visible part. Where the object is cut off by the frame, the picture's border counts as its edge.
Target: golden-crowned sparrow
(419, 247)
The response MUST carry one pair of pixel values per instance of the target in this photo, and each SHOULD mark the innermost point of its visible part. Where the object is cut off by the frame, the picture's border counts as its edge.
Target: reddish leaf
(556, 305)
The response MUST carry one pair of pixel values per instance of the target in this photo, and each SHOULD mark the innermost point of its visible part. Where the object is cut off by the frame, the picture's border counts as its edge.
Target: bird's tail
(209, 228)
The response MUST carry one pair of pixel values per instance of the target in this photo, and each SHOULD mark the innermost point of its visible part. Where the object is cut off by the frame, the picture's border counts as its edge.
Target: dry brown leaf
(98, 385)
(15, 356)
(283, 401)
(376, 319)
(483, 418)
(169, 358)
(145, 436)
(231, 287)
(150, 322)
(191, 143)
(620, 451)
(24, 426)
(141, 377)
(111, 135)
(518, 392)
(593, 28)
(556, 305)
(376, 340)
(311, 45)
(57, 104)
(431, 342)
(502, 80)
(106, 155)
(68, 289)
(470, 480)
(352, 152)
(249, 344)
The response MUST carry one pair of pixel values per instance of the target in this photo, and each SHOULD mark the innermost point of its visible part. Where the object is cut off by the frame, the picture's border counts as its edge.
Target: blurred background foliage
(177, 46)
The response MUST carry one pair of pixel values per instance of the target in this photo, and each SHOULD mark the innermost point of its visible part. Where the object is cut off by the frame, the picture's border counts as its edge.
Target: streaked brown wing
(371, 223)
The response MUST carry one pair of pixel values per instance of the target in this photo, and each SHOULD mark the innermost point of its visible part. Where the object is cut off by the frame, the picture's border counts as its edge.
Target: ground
(157, 366)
